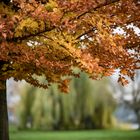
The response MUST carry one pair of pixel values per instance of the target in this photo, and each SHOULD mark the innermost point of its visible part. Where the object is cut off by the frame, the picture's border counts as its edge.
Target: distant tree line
(89, 105)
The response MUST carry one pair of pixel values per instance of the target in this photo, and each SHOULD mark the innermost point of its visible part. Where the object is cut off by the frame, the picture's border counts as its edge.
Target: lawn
(75, 135)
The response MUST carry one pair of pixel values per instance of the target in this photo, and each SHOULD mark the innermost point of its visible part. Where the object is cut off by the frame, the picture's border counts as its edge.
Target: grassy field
(75, 135)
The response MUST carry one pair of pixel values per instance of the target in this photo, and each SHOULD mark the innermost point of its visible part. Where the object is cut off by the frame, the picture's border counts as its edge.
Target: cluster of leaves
(50, 37)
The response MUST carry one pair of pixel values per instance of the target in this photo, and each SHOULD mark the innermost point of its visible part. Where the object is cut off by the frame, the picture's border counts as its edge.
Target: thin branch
(112, 26)
(107, 2)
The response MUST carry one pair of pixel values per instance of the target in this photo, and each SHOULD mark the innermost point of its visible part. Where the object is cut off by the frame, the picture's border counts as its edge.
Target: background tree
(104, 106)
(132, 91)
(25, 107)
(89, 105)
(50, 37)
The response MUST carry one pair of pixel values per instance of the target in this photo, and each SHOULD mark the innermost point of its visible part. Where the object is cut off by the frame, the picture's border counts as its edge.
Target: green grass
(75, 135)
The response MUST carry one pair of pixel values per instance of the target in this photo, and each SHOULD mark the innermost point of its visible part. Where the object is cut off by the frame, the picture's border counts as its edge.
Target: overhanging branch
(24, 37)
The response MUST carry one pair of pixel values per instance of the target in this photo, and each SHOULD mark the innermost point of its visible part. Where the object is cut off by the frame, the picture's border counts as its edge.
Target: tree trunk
(136, 110)
(138, 119)
(4, 134)
(139, 122)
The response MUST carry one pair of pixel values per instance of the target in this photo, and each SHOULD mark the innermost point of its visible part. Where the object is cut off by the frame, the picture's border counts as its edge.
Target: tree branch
(112, 26)
(24, 37)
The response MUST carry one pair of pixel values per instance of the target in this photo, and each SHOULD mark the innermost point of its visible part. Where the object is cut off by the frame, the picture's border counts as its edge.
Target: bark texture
(4, 134)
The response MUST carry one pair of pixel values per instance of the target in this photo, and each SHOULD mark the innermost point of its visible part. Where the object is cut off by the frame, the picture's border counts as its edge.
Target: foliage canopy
(50, 37)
